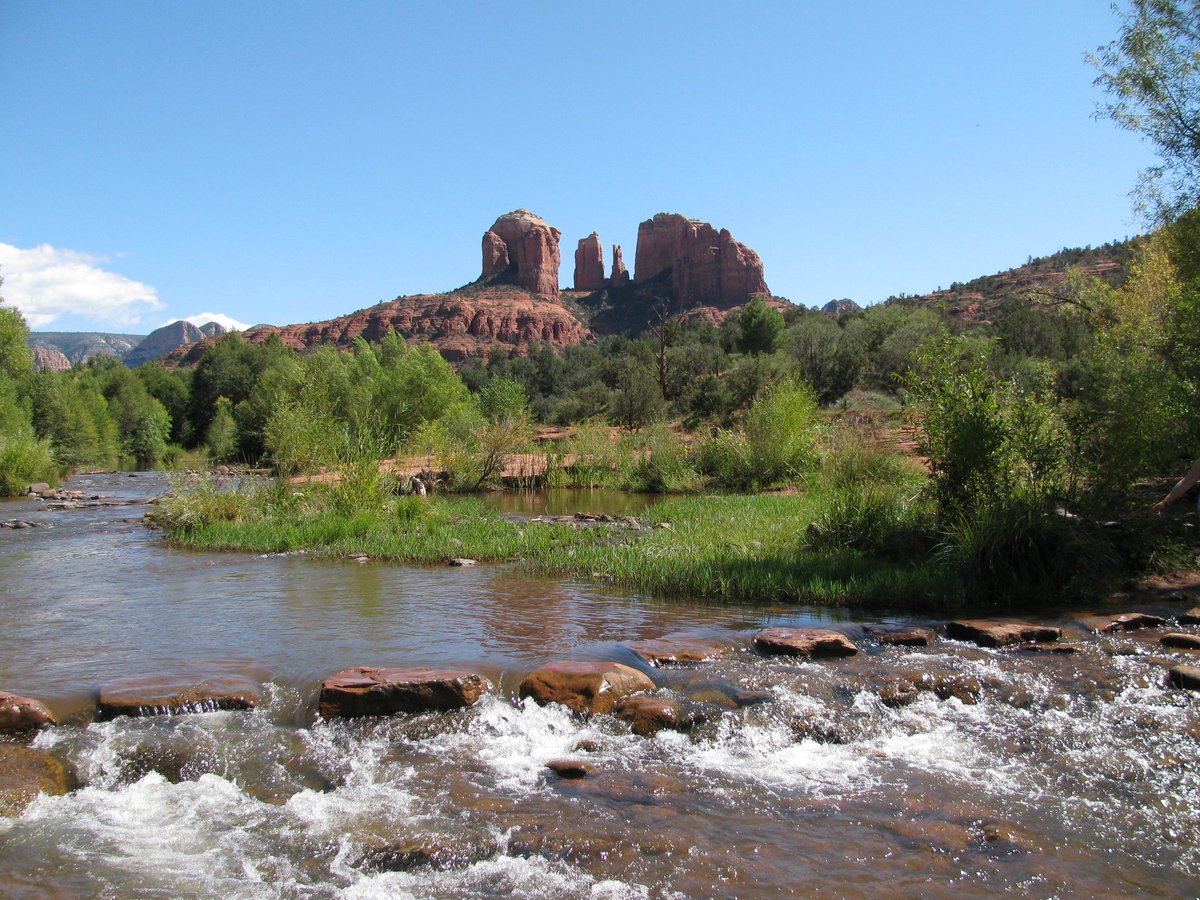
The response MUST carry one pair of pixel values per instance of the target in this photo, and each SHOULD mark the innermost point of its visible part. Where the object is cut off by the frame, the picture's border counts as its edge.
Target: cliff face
(589, 264)
(706, 267)
(48, 359)
(521, 249)
(162, 341)
(473, 321)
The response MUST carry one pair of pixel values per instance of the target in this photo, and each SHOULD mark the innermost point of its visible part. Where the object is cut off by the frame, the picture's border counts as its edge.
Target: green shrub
(24, 460)
(1020, 551)
(663, 464)
(777, 442)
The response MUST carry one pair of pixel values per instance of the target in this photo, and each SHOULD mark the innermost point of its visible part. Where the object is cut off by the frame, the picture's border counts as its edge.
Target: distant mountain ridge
(58, 350)
(80, 346)
(980, 300)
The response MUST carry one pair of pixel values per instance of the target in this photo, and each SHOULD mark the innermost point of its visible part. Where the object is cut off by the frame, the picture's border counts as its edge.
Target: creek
(1072, 774)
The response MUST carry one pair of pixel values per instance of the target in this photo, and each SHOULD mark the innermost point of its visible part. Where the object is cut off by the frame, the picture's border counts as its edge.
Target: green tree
(758, 327)
(1151, 73)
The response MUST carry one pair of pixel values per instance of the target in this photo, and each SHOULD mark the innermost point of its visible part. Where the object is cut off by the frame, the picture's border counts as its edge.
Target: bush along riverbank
(860, 529)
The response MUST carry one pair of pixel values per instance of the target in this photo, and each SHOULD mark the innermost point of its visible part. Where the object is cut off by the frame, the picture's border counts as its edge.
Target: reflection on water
(1070, 775)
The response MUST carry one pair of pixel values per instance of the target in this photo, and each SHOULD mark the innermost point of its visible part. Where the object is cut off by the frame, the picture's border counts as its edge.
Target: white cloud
(48, 282)
(227, 322)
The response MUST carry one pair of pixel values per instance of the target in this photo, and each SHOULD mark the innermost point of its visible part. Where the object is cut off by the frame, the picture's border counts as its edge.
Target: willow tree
(1151, 74)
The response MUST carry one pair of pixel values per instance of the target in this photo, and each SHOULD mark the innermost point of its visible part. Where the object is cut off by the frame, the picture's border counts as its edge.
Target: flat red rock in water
(21, 714)
(155, 695)
(592, 687)
(1181, 640)
(674, 651)
(368, 691)
(987, 633)
(902, 637)
(804, 642)
(1191, 617)
(569, 768)
(1123, 622)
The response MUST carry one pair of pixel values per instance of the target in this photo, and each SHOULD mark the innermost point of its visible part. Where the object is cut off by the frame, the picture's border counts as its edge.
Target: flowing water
(1072, 775)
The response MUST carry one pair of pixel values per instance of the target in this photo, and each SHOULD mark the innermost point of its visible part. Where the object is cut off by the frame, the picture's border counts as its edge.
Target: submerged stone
(988, 633)
(368, 691)
(26, 772)
(814, 642)
(649, 715)
(677, 651)
(19, 715)
(154, 695)
(588, 687)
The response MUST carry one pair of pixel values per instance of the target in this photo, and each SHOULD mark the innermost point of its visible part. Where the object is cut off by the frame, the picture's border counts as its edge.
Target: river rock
(154, 695)
(813, 642)
(462, 561)
(1034, 647)
(1182, 640)
(1191, 617)
(424, 853)
(676, 651)
(988, 633)
(649, 715)
(19, 715)
(897, 692)
(588, 687)
(902, 637)
(368, 691)
(39, 488)
(964, 688)
(26, 772)
(1131, 621)
(1185, 677)
(569, 768)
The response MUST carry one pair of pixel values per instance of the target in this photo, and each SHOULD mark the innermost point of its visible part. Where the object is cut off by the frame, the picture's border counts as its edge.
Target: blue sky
(289, 163)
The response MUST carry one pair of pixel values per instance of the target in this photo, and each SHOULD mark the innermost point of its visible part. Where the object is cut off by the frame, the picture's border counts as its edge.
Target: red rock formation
(620, 275)
(706, 267)
(470, 322)
(589, 264)
(47, 359)
(522, 248)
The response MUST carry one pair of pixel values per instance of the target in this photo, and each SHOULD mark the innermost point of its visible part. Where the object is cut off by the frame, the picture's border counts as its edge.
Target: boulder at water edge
(367, 691)
(155, 695)
(987, 633)
(804, 642)
(19, 715)
(589, 687)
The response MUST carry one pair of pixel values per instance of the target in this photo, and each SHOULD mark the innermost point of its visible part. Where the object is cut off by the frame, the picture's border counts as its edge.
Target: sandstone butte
(516, 301)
